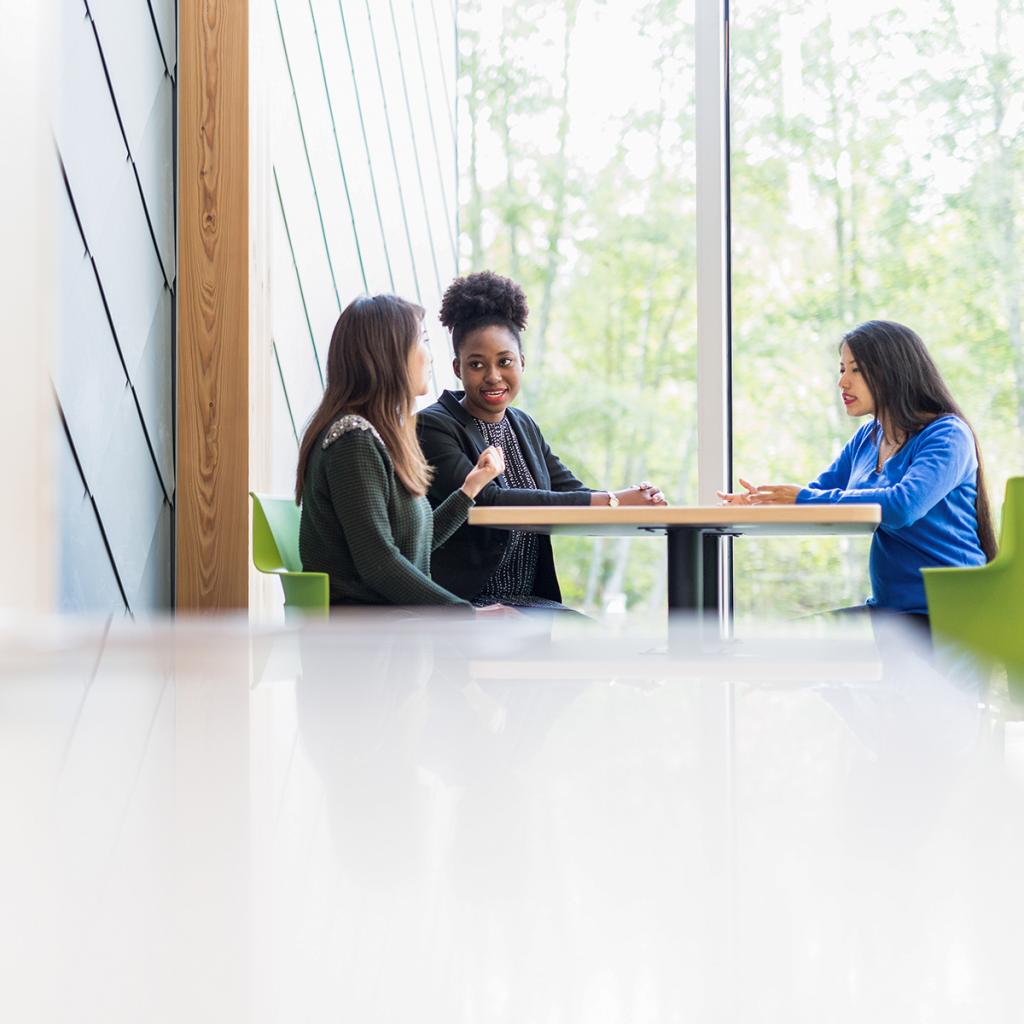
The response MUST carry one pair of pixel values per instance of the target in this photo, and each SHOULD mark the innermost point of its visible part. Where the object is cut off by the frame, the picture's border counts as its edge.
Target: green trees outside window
(877, 156)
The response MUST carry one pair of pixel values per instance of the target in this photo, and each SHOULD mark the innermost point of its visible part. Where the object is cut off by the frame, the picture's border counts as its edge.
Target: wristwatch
(613, 499)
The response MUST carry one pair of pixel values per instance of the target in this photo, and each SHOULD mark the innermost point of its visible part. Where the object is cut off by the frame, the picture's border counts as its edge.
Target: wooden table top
(762, 520)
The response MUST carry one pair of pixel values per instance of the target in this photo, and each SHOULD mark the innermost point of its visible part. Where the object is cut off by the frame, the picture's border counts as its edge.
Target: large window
(877, 156)
(877, 159)
(577, 156)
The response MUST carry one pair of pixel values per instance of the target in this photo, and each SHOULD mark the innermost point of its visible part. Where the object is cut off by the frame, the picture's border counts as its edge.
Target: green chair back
(275, 550)
(982, 608)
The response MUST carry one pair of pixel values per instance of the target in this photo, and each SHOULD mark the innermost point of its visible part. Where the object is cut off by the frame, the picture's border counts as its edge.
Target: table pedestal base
(693, 558)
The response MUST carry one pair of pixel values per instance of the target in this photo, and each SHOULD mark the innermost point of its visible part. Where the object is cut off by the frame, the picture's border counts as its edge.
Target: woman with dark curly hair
(486, 315)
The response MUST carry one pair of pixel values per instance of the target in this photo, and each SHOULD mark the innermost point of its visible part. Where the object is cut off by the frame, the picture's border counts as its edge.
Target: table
(365, 820)
(693, 533)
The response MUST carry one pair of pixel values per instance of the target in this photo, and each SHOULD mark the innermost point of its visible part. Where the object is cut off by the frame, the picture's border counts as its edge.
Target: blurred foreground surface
(431, 820)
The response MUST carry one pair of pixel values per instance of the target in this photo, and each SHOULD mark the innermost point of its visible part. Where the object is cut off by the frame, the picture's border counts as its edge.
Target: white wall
(27, 290)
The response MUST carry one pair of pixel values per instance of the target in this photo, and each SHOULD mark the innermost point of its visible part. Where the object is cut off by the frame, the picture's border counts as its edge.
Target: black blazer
(452, 443)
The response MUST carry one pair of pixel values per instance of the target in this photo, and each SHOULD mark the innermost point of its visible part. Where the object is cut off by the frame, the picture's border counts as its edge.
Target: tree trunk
(854, 252)
(557, 223)
(839, 220)
(510, 186)
(1009, 257)
(475, 218)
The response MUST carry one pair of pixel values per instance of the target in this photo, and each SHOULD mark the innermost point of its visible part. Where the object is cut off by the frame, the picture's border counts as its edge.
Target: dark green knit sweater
(364, 529)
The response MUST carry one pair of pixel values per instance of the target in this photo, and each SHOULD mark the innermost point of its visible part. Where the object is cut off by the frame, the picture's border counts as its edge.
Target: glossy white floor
(390, 821)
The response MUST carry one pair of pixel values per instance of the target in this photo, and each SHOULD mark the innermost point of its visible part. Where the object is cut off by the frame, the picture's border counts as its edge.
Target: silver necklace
(896, 446)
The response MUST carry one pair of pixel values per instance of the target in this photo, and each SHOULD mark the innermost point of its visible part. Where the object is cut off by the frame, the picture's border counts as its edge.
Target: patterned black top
(517, 571)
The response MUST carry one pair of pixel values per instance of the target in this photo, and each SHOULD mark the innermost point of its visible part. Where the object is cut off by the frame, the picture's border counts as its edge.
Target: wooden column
(213, 305)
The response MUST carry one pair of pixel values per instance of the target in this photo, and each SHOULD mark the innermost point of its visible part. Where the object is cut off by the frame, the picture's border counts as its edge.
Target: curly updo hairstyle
(484, 299)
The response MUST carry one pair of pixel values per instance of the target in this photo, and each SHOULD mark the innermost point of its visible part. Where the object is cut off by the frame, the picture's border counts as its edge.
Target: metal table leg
(693, 574)
(692, 569)
(710, 584)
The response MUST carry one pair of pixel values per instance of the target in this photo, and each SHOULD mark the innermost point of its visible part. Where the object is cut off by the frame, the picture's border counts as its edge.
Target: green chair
(275, 550)
(982, 609)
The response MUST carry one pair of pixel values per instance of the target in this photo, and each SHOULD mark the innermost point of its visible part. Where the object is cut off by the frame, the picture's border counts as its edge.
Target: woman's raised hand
(491, 464)
(766, 494)
(738, 498)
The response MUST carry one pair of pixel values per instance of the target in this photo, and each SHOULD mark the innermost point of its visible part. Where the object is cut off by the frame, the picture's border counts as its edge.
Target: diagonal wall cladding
(363, 151)
(154, 388)
(89, 376)
(165, 18)
(113, 371)
(350, 129)
(134, 62)
(88, 580)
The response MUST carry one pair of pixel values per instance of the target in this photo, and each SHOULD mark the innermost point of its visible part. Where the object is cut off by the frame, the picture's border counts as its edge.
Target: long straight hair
(368, 375)
(909, 393)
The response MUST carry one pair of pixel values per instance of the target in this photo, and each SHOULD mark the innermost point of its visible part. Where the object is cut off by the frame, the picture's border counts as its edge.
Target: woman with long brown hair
(362, 478)
(917, 457)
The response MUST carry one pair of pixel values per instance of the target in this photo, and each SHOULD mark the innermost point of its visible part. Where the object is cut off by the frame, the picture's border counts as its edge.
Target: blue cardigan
(927, 491)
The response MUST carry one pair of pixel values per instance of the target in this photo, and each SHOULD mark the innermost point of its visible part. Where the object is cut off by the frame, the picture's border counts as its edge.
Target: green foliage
(876, 172)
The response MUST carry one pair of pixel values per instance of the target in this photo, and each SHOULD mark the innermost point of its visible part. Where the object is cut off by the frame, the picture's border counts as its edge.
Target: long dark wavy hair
(368, 374)
(909, 393)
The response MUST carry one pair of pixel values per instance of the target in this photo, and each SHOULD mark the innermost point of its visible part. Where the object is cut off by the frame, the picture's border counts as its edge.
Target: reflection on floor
(416, 819)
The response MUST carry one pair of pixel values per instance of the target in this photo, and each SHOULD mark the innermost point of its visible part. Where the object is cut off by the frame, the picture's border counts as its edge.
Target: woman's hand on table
(649, 492)
(491, 464)
(765, 494)
(639, 494)
(775, 494)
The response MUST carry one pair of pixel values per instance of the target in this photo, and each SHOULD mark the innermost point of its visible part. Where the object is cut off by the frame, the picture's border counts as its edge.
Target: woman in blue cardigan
(918, 458)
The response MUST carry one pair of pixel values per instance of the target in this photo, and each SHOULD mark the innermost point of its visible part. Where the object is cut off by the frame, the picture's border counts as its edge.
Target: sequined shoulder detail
(347, 424)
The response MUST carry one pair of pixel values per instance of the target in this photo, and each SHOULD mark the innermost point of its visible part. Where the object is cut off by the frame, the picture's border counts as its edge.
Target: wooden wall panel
(213, 305)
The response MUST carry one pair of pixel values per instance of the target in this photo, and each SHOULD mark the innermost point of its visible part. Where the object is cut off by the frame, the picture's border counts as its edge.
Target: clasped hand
(639, 494)
(766, 494)
(490, 465)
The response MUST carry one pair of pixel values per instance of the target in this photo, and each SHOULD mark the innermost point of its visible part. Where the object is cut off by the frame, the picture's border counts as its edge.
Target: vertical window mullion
(714, 340)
